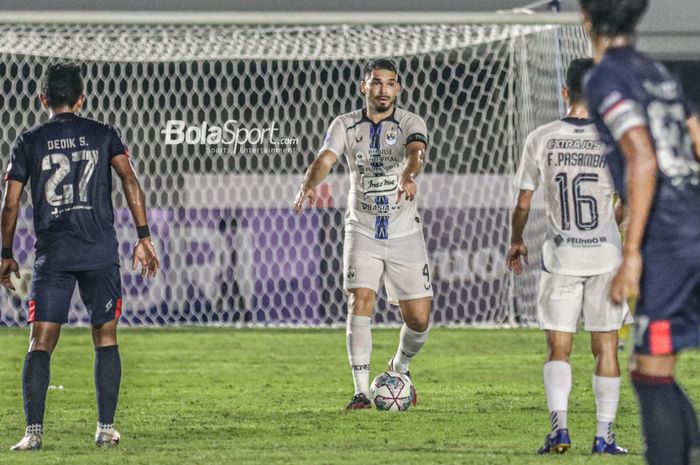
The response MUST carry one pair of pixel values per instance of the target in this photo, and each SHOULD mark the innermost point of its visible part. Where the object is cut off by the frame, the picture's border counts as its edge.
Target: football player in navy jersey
(68, 162)
(648, 131)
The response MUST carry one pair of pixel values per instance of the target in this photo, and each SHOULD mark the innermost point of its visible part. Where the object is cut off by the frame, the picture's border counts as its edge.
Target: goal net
(221, 122)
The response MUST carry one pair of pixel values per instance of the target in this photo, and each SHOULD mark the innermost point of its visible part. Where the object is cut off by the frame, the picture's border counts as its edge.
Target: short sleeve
(335, 138)
(528, 175)
(116, 144)
(610, 98)
(18, 168)
(416, 130)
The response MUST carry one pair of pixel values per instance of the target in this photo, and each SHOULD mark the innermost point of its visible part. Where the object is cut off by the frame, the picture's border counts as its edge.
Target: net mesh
(222, 121)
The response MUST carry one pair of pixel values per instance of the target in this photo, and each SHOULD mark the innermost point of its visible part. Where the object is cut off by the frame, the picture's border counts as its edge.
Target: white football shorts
(563, 298)
(401, 263)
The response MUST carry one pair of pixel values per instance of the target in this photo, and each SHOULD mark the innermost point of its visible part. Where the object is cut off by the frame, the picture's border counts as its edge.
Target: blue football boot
(608, 448)
(560, 443)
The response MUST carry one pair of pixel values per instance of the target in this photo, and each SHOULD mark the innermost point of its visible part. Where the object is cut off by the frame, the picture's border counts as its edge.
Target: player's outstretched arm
(518, 249)
(10, 211)
(638, 149)
(415, 157)
(144, 252)
(316, 173)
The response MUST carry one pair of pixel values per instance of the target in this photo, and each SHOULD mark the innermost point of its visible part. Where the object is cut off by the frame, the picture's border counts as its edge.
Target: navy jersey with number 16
(67, 161)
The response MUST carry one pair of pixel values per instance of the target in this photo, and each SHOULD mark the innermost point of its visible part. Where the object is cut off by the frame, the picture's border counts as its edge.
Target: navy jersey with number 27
(67, 161)
(628, 89)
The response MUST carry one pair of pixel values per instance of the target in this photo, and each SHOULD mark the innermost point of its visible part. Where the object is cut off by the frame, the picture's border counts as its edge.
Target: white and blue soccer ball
(392, 391)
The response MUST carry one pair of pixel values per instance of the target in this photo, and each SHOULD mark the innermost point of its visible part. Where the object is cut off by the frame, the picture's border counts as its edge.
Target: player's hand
(303, 194)
(145, 254)
(625, 284)
(513, 262)
(8, 266)
(407, 186)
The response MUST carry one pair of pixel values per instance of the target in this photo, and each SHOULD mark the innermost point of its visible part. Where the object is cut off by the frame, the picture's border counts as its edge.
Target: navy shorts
(51, 293)
(667, 318)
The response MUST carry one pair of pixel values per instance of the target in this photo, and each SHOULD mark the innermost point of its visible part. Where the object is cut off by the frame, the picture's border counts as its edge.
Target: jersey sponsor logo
(351, 273)
(390, 137)
(380, 185)
(574, 144)
(379, 209)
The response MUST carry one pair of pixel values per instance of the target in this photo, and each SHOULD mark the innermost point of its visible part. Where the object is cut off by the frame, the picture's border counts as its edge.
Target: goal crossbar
(283, 18)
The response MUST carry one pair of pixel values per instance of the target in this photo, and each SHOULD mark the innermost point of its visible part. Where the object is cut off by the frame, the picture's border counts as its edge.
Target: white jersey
(375, 154)
(566, 158)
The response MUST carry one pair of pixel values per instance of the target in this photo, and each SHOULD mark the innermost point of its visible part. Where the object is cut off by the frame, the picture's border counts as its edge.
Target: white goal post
(223, 112)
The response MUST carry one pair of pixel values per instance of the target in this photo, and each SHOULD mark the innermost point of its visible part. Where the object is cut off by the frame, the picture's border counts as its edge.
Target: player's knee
(45, 342)
(104, 334)
(418, 323)
(361, 303)
(559, 353)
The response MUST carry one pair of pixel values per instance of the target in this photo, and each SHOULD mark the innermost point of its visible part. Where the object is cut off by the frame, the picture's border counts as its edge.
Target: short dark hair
(574, 77)
(62, 84)
(614, 17)
(379, 63)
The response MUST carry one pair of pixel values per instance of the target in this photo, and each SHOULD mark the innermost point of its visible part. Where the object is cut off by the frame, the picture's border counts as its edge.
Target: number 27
(63, 162)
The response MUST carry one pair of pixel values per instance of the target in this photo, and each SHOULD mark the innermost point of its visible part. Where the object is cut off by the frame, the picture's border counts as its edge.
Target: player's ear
(363, 86)
(565, 95)
(586, 20)
(44, 101)
(79, 104)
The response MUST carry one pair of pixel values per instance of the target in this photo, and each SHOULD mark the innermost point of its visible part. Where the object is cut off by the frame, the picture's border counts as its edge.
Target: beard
(384, 105)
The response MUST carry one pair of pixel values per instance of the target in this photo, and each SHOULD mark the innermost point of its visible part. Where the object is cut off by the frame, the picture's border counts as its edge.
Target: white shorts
(402, 264)
(562, 298)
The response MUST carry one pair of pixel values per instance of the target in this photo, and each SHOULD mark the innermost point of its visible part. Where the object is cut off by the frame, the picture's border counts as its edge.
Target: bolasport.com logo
(230, 138)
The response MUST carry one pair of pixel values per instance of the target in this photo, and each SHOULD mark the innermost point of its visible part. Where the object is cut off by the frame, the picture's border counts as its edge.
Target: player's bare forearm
(10, 211)
(317, 172)
(415, 158)
(132, 189)
(694, 130)
(319, 169)
(639, 153)
(136, 199)
(521, 213)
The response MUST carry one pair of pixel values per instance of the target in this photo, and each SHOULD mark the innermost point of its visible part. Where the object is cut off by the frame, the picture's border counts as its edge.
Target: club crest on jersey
(391, 136)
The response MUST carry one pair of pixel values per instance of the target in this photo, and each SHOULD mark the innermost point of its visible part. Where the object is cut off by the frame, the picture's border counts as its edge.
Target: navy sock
(691, 424)
(35, 383)
(108, 375)
(663, 425)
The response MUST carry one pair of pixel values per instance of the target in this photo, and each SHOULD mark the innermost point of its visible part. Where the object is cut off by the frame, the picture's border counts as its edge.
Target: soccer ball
(392, 391)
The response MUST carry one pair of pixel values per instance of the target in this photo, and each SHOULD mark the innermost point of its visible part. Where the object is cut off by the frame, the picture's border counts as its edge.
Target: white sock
(410, 343)
(359, 343)
(557, 387)
(607, 396)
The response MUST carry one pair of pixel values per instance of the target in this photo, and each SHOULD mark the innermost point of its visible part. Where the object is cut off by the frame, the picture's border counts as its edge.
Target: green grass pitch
(231, 396)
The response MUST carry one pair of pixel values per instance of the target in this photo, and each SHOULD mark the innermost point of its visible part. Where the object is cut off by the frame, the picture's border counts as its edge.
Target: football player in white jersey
(384, 148)
(579, 258)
